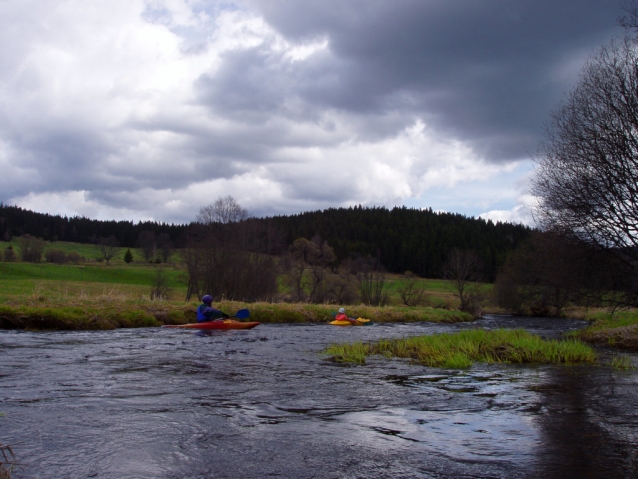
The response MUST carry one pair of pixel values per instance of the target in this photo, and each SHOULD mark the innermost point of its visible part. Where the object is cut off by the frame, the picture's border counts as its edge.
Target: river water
(166, 403)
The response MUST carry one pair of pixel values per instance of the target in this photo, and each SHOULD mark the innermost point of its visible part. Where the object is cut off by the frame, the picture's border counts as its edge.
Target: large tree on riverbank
(586, 179)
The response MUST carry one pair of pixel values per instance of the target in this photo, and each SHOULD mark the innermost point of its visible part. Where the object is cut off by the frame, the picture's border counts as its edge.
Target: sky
(150, 109)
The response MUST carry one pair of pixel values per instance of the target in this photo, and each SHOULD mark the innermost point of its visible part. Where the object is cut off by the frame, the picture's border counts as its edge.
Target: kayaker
(206, 312)
(342, 316)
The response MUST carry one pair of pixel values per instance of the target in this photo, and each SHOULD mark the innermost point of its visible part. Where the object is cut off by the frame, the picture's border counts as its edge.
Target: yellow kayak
(357, 322)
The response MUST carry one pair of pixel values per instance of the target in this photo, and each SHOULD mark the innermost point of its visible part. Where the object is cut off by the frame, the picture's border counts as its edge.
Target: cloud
(148, 109)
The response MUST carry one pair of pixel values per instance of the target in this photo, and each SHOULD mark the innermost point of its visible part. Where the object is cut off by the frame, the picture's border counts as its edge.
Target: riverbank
(109, 313)
(619, 330)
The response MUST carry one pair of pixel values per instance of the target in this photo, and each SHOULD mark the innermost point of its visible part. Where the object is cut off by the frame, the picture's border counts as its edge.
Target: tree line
(402, 239)
(406, 239)
(16, 221)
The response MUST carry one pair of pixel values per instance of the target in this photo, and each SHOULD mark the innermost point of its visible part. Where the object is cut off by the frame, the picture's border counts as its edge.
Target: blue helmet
(207, 299)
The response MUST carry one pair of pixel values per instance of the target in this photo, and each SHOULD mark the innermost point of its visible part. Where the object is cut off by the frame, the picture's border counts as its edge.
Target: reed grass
(462, 349)
(622, 362)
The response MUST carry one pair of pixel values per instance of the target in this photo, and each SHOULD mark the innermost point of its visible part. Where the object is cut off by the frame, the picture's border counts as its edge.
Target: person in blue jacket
(206, 312)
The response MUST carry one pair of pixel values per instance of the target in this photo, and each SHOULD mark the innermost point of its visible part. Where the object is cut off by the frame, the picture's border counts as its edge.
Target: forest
(402, 239)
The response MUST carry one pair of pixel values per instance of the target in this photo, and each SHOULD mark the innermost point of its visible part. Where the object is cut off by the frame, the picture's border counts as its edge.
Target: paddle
(241, 314)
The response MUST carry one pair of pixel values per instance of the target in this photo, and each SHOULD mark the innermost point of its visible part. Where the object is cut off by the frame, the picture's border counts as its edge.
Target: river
(166, 403)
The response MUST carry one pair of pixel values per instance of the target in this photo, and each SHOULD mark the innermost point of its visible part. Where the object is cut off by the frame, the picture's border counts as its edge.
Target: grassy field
(92, 295)
(437, 293)
(91, 254)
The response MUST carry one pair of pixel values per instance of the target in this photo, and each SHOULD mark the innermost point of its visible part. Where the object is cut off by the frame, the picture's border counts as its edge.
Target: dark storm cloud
(58, 159)
(286, 105)
(488, 72)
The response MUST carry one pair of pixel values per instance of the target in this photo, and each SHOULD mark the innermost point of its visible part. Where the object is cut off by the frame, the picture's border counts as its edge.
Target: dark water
(158, 403)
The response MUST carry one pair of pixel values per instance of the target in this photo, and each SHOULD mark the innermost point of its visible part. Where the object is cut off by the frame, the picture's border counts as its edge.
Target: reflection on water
(156, 403)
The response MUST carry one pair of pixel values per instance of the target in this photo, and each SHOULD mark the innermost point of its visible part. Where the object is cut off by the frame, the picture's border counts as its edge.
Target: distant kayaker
(342, 316)
(206, 312)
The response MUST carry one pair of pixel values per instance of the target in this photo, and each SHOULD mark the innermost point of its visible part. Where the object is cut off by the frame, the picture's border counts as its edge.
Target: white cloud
(140, 109)
(521, 213)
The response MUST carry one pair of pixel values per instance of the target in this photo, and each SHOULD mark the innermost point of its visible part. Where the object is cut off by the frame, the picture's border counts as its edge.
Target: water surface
(165, 403)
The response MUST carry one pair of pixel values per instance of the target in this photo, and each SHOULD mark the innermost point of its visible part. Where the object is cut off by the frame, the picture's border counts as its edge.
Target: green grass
(429, 285)
(622, 362)
(49, 296)
(90, 253)
(84, 273)
(605, 320)
(304, 312)
(460, 350)
(619, 330)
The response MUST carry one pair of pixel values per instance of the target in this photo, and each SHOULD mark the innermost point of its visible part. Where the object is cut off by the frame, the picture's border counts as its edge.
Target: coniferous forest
(402, 239)
(406, 239)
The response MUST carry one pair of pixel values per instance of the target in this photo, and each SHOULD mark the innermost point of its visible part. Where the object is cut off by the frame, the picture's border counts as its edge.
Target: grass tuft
(622, 362)
(460, 350)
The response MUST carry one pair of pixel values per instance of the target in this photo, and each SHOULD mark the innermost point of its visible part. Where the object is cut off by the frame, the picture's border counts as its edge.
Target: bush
(31, 248)
(56, 256)
(9, 254)
(73, 257)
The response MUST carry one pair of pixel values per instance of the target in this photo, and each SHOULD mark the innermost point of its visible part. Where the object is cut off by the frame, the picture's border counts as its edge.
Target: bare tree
(550, 271)
(160, 288)
(463, 268)
(229, 256)
(31, 248)
(146, 242)
(321, 271)
(586, 179)
(224, 210)
(56, 256)
(372, 282)
(108, 247)
(165, 246)
(309, 269)
(9, 254)
(409, 290)
(630, 19)
(343, 283)
(297, 264)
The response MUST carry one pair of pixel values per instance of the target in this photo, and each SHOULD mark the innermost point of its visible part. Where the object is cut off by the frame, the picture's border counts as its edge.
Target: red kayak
(225, 324)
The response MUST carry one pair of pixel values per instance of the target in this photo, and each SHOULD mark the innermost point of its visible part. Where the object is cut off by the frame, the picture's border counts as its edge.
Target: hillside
(403, 238)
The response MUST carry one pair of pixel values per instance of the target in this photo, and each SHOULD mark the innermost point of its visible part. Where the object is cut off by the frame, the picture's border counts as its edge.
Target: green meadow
(93, 295)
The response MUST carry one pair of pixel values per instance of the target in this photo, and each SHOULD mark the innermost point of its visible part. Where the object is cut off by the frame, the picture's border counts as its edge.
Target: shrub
(73, 257)
(56, 256)
(31, 248)
(9, 254)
